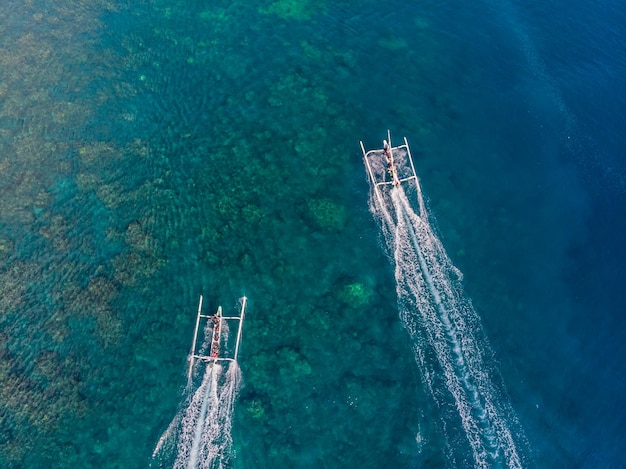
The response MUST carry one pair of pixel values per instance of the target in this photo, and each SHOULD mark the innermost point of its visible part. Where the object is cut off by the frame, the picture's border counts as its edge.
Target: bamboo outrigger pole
(241, 316)
(195, 338)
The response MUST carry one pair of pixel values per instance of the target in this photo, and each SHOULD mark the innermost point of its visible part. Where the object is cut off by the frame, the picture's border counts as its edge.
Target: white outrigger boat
(216, 324)
(391, 167)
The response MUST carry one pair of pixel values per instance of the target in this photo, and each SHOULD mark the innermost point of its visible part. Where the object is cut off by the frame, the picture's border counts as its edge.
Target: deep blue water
(155, 151)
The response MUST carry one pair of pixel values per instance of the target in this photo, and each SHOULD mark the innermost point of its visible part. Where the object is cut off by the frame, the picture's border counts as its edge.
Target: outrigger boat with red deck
(216, 323)
(391, 167)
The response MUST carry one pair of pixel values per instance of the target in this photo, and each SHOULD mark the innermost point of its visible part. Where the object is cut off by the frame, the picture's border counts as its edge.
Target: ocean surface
(157, 150)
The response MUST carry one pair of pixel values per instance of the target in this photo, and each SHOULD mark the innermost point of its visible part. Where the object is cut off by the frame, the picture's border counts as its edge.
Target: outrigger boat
(391, 167)
(216, 322)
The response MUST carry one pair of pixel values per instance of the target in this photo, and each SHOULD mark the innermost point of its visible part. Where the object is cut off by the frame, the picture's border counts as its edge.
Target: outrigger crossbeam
(393, 175)
(217, 321)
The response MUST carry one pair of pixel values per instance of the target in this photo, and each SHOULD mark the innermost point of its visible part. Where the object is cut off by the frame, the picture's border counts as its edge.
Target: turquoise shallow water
(157, 151)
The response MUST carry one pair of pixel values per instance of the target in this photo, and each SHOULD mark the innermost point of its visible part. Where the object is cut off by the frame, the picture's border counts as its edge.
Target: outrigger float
(216, 323)
(390, 167)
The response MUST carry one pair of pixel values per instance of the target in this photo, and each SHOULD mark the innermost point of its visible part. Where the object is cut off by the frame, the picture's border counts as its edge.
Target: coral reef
(293, 9)
(356, 294)
(327, 214)
(142, 166)
(256, 409)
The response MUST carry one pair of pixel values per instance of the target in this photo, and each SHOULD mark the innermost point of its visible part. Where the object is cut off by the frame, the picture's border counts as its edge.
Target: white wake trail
(200, 435)
(208, 399)
(448, 339)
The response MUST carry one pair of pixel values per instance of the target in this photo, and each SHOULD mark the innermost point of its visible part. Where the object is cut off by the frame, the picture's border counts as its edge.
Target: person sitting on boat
(388, 156)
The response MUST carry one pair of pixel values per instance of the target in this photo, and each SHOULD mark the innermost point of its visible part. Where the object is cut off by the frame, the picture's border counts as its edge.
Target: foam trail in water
(200, 435)
(446, 330)
(208, 394)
